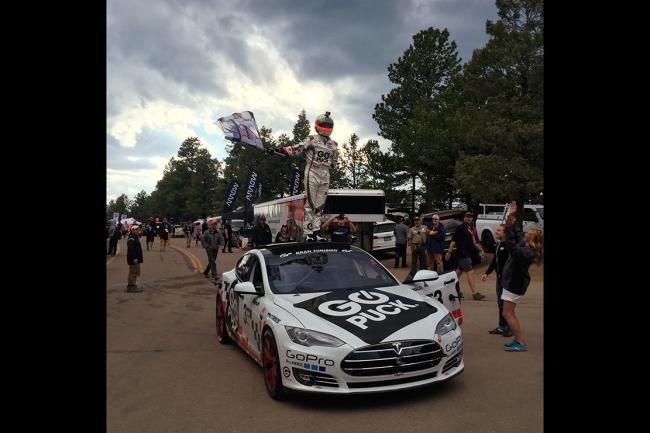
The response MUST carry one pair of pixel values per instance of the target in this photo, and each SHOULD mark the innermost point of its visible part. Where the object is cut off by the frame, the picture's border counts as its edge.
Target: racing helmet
(324, 124)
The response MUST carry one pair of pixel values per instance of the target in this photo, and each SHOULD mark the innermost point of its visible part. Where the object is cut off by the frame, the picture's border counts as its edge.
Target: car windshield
(326, 271)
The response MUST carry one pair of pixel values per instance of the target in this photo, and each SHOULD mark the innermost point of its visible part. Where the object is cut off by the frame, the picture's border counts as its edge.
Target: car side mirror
(246, 288)
(425, 275)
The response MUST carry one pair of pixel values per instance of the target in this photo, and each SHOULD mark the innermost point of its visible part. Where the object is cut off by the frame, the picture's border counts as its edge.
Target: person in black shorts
(466, 244)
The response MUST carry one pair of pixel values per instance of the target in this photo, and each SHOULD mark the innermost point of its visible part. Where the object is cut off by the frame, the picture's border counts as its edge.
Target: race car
(328, 317)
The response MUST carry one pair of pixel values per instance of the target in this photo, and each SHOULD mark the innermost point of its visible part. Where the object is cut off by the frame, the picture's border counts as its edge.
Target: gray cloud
(150, 144)
(174, 51)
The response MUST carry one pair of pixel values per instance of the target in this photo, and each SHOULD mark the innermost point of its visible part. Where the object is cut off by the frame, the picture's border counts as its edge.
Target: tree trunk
(413, 199)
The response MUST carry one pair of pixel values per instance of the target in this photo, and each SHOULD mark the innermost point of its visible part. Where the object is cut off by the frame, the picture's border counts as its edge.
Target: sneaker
(206, 275)
(137, 289)
(516, 347)
(510, 343)
(507, 333)
(496, 330)
(477, 296)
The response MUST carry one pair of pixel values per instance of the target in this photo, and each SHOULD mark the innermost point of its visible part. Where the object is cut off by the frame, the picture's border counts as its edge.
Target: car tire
(271, 366)
(220, 314)
(488, 242)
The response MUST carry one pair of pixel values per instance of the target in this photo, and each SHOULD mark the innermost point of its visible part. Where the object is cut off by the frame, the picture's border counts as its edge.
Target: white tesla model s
(330, 318)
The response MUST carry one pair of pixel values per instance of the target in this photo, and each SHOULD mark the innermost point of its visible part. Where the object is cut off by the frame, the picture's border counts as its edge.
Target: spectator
(515, 277)
(163, 234)
(498, 261)
(401, 231)
(417, 239)
(341, 230)
(133, 258)
(114, 233)
(436, 244)
(211, 240)
(187, 231)
(465, 242)
(261, 233)
(150, 233)
(197, 232)
(283, 234)
(227, 235)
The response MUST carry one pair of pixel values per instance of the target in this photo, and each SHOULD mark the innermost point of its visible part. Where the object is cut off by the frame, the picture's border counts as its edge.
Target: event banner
(294, 187)
(251, 189)
(231, 194)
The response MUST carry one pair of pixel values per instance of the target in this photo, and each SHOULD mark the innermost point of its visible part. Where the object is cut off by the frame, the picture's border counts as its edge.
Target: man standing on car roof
(322, 154)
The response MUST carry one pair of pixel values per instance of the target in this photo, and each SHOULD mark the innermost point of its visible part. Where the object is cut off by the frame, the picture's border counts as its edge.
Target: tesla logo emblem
(397, 347)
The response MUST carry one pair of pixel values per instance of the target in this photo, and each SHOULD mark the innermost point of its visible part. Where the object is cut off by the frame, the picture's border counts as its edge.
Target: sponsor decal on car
(456, 345)
(371, 315)
(308, 359)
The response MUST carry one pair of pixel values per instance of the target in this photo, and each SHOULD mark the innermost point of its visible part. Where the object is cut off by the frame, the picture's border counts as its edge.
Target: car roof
(302, 247)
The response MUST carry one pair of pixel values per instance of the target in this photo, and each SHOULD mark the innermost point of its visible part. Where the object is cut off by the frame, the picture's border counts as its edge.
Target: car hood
(363, 317)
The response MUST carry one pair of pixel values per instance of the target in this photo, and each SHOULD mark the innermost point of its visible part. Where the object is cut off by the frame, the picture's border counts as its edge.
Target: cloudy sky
(175, 66)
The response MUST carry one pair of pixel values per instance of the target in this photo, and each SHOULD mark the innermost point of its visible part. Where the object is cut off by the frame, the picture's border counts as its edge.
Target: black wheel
(271, 364)
(222, 334)
(488, 242)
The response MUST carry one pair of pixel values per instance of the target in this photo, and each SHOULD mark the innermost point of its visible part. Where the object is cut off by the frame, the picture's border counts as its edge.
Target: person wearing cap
(211, 240)
(322, 153)
(261, 233)
(133, 258)
(466, 244)
(417, 239)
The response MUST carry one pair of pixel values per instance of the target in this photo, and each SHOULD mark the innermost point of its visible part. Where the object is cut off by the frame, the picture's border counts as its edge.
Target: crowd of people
(514, 254)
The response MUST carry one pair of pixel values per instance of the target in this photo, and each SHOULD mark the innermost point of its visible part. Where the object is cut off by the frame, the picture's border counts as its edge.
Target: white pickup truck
(491, 215)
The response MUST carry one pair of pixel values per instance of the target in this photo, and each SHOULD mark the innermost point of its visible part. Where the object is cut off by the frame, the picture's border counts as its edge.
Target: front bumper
(319, 369)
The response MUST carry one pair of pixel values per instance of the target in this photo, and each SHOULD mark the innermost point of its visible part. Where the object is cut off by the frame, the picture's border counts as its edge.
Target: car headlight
(306, 337)
(448, 323)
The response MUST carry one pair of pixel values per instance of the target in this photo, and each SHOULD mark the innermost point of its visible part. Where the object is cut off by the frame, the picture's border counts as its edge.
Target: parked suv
(383, 236)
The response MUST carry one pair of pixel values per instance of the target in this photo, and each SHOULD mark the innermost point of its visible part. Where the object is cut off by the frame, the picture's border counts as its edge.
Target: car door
(235, 309)
(251, 306)
(444, 291)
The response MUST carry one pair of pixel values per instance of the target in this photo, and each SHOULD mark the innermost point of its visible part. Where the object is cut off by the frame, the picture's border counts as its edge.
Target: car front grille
(454, 361)
(392, 358)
